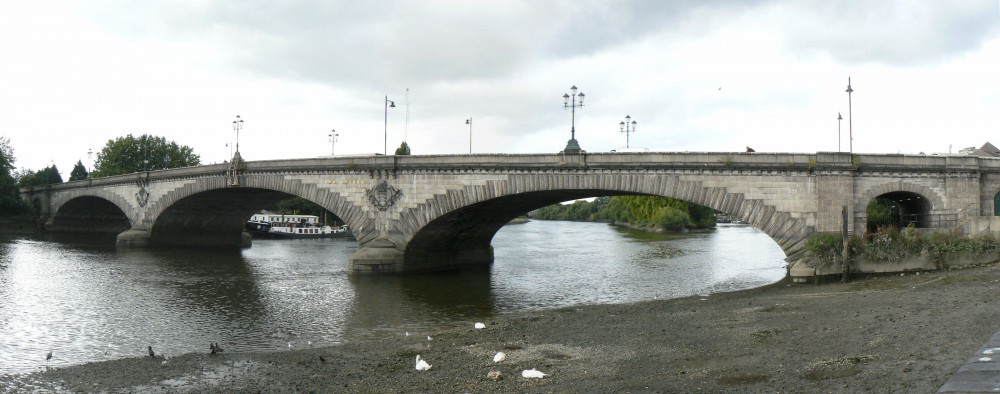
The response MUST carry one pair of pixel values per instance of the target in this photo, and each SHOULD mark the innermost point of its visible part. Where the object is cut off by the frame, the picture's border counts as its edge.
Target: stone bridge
(429, 213)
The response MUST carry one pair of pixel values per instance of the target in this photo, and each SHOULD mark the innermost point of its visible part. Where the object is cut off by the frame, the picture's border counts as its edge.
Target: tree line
(122, 155)
(646, 211)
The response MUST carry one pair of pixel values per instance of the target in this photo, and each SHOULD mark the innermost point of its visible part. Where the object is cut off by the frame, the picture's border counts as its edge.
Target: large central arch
(455, 230)
(462, 238)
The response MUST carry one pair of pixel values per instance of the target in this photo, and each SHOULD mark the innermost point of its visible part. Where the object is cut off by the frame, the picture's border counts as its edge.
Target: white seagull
(533, 373)
(499, 357)
(429, 338)
(479, 326)
(422, 365)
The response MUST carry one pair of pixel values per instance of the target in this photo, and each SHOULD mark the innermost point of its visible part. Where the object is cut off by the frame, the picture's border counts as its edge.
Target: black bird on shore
(151, 354)
(321, 359)
(48, 356)
(212, 346)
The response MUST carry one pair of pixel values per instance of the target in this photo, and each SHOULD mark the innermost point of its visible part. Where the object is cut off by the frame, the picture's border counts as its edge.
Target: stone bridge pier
(414, 214)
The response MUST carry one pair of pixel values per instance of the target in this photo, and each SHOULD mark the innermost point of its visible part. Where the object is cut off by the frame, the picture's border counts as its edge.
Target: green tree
(46, 176)
(671, 217)
(882, 213)
(403, 149)
(10, 198)
(79, 172)
(125, 155)
(641, 210)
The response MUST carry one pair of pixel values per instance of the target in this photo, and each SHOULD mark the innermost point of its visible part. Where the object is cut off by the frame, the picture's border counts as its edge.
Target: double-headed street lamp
(469, 122)
(385, 139)
(237, 126)
(333, 141)
(572, 147)
(625, 128)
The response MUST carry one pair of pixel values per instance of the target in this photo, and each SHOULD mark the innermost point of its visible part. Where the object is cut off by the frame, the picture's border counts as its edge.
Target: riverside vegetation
(648, 212)
(885, 243)
(891, 245)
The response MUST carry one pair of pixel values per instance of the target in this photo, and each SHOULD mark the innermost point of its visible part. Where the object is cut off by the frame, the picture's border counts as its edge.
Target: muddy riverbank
(885, 334)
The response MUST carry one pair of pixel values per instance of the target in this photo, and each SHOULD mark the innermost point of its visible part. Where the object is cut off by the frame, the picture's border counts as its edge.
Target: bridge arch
(918, 204)
(210, 213)
(89, 214)
(69, 211)
(996, 204)
(455, 229)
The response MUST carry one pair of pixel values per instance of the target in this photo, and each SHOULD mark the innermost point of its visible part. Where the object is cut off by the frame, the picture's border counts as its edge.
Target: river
(84, 300)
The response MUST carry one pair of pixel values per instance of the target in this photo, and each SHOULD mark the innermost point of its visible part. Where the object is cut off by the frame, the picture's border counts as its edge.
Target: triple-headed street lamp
(237, 126)
(625, 128)
(572, 147)
(333, 141)
(385, 139)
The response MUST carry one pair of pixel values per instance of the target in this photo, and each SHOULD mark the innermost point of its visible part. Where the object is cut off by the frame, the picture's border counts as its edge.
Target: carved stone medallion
(383, 195)
(142, 196)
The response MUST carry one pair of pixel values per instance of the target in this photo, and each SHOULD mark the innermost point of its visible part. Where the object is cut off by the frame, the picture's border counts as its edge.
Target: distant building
(987, 150)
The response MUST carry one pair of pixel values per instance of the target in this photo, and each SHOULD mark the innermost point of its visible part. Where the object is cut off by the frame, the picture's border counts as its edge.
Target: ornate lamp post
(333, 141)
(385, 139)
(572, 147)
(850, 127)
(469, 122)
(625, 128)
(237, 126)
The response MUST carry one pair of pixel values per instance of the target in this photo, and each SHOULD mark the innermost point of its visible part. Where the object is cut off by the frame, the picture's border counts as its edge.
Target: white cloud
(78, 74)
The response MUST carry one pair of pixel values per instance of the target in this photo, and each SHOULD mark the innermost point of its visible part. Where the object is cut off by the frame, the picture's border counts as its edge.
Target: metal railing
(929, 220)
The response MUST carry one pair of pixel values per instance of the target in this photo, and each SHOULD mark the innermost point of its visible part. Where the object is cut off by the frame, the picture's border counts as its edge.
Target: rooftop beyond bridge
(425, 213)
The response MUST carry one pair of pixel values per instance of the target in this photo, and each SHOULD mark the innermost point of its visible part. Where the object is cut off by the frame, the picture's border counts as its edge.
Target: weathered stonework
(441, 212)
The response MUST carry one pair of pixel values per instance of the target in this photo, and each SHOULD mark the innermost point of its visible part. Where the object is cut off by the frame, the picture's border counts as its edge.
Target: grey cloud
(898, 33)
(397, 42)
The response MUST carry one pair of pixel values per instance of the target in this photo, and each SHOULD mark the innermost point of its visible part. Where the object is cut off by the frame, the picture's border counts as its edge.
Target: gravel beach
(904, 334)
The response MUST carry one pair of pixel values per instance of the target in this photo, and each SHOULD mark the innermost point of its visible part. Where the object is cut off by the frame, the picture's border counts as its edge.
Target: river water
(83, 300)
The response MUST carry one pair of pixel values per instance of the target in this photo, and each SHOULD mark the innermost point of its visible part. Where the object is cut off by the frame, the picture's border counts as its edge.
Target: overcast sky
(696, 75)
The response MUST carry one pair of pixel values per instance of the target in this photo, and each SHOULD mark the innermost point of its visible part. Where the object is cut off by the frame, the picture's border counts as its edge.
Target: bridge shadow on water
(396, 302)
(215, 283)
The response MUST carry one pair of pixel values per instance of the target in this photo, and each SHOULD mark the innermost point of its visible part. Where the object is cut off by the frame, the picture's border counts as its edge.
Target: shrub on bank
(824, 249)
(892, 246)
(672, 218)
(887, 245)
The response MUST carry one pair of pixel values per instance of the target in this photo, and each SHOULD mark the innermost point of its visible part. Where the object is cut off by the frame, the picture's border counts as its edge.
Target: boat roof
(286, 216)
